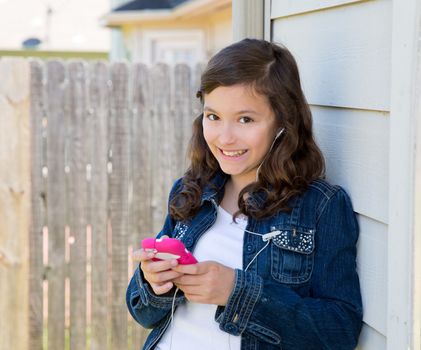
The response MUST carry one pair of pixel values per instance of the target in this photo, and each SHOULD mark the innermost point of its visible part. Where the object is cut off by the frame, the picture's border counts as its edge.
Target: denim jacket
(301, 293)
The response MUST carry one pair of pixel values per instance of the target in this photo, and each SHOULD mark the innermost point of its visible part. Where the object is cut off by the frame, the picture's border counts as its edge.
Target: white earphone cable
(172, 315)
(265, 237)
(270, 149)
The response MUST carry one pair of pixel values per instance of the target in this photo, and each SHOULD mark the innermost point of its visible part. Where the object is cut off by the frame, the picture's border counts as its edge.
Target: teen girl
(275, 242)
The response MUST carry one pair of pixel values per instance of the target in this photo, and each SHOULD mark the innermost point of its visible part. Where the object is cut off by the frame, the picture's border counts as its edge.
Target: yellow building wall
(215, 29)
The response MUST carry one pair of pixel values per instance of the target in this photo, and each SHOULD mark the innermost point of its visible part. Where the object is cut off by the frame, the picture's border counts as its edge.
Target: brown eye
(245, 120)
(212, 117)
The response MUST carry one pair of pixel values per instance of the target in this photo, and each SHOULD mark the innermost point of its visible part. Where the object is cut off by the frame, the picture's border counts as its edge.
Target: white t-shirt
(194, 325)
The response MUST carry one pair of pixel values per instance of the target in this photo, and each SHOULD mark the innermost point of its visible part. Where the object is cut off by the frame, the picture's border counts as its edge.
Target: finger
(141, 255)
(159, 266)
(162, 277)
(161, 288)
(191, 295)
(186, 280)
(194, 269)
(191, 269)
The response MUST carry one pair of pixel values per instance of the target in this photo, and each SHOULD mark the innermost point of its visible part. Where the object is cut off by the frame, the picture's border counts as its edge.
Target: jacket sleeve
(331, 318)
(147, 308)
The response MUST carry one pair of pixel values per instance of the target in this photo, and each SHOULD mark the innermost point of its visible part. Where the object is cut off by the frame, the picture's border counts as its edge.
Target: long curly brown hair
(294, 161)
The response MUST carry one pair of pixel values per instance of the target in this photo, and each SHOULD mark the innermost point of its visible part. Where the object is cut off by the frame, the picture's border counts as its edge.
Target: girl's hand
(157, 273)
(206, 282)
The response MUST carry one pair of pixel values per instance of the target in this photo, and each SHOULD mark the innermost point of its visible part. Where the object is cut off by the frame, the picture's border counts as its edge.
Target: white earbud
(279, 133)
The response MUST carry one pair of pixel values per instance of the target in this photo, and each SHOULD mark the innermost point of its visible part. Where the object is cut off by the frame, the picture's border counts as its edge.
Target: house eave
(194, 8)
(117, 19)
(189, 9)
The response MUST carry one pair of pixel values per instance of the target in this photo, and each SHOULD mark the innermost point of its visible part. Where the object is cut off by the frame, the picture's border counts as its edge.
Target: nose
(227, 134)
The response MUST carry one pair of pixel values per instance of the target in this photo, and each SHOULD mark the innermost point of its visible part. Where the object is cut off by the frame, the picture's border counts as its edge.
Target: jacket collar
(215, 189)
(217, 184)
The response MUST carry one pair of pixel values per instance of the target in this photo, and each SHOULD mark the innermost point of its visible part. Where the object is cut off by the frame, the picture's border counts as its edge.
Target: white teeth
(234, 153)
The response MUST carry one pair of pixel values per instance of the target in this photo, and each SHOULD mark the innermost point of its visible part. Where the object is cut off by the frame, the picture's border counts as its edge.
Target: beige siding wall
(343, 49)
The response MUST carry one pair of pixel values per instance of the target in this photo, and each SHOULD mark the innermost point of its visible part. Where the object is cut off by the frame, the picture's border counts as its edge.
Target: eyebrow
(245, 111)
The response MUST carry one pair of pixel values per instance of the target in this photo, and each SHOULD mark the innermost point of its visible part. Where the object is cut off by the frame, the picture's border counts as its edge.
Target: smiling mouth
(233, 153)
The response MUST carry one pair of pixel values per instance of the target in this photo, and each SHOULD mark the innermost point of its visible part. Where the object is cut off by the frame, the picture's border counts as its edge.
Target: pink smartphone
(167, 249)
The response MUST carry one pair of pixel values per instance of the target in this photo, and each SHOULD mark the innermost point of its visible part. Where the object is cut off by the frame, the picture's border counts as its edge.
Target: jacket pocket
(292, 255)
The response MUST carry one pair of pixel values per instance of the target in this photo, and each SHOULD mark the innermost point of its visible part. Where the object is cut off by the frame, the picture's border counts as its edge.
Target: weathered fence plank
(14, 203)
(56, 201)
(162, 136)
(118, 201)
(141, 172)
(77, 201)
(97, 137)
(38, 205)
(182, 105)
(196, 104)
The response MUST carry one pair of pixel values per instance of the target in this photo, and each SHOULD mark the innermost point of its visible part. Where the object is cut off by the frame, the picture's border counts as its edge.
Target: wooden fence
(107, 141)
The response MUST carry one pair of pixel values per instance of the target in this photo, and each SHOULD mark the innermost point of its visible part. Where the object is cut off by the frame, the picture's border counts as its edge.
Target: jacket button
(231, 328)
(188, 242)
(249, 248)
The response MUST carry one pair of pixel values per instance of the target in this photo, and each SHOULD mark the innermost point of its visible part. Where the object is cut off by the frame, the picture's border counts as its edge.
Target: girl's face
(239, 127)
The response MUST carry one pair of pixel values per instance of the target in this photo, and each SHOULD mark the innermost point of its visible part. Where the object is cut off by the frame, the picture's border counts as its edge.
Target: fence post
(14, 203)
